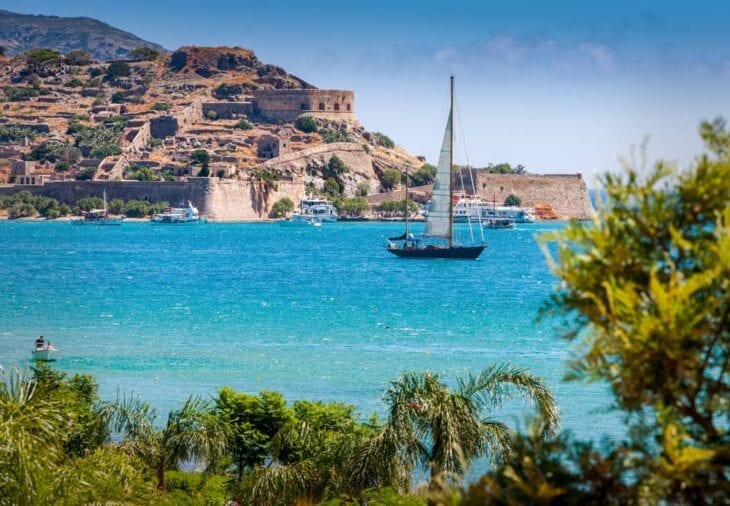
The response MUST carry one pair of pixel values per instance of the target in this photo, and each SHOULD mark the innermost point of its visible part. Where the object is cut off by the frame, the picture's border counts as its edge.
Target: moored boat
(99, 217)
(498, 223)
(186, 212)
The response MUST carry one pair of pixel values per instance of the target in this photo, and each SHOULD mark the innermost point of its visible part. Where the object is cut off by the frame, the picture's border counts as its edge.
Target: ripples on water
(322, 313)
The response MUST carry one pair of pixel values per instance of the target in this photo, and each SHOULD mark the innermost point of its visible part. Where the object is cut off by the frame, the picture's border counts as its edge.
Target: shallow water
(318, 313)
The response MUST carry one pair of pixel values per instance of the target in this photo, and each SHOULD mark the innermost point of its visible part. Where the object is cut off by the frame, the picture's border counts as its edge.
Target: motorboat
(186, 212)
(44, 351)
(322, 210)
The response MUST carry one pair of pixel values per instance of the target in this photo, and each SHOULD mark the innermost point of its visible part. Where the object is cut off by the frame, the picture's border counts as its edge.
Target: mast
(406, 210)
(451, 167)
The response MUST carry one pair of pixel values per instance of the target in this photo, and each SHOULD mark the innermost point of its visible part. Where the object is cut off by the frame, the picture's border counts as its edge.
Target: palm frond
(277, 485)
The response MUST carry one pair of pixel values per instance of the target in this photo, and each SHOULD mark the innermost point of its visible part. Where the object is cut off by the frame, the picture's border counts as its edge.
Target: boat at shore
(185, 213)
(312, 213)
(437, 239)
(99, 217)
(498, 222)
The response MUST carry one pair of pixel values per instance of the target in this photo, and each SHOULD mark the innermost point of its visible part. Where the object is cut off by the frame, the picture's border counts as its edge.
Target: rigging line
(471, 179)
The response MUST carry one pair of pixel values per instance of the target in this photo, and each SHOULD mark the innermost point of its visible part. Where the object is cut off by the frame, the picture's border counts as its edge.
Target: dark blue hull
(452, 252)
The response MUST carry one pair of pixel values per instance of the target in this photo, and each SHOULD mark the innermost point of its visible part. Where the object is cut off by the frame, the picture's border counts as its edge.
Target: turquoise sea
(317, 313)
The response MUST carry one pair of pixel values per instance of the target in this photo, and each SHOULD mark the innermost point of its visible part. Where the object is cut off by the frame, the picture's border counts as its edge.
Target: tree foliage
(79, 57)
(281, 207)
(513, 200)
(390, 178)
(645, 287)
(425, 174)
(144, 53)
(117, 69)
(306, 124)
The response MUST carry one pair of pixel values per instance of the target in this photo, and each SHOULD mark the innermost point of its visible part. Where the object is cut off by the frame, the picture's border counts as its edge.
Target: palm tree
(191, 433)
(444, 428)
(32, 427)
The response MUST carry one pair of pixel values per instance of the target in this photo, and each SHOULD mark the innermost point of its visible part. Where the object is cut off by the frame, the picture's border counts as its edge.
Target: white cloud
(598, 55)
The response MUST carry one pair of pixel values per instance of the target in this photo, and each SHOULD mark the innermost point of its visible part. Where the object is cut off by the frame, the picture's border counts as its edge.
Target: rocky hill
(20, 32)
(196, 112)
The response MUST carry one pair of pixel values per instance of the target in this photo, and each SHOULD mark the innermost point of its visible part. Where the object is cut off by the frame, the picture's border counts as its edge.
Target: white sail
(438, 223)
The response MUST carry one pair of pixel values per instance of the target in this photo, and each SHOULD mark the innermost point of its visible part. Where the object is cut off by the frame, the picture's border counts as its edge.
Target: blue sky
(560, 86)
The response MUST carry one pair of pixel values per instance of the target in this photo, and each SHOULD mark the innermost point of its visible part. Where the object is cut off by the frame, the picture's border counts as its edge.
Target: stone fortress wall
(217, 200)
(567, 194)
(288, 105)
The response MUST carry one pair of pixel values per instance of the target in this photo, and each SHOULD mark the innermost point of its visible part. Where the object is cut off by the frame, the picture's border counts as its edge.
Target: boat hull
(454, 252)
(44, 355)
(113, 222)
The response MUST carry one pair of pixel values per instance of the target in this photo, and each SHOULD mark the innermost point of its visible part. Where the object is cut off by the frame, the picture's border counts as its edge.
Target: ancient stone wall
(217, 199)
(567, 194)
(288, 105)
(227, 110)
(231, 200)
(69, 192)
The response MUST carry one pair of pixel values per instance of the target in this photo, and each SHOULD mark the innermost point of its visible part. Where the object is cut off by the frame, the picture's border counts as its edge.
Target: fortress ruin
(288, 105)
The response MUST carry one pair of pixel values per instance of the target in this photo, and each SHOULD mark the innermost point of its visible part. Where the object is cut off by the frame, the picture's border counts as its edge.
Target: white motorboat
(322, 210)
(186, 212)
(44, 352)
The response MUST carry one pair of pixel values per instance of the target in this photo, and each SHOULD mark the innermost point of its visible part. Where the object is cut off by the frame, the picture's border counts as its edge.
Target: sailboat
(98, 217)
(437, 240)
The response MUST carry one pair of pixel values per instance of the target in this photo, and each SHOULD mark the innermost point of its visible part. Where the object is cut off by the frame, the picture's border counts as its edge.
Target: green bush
(86, 174)
(116, 206)
(211, 115)
(204, 171)
(513, 200)
(161, 106)
(363, 189)
(42, 57)
(21, 210)
(200, 157)
(144, 53)
(390, 179)
(354, 207)
(306, 124)
(74, 83)
(281, 207)
(383, 140)
(424, 175)
(120, 97)
(89, 203)
(15, 93)
(79, 57)
(99, 142)
(329, 136)
(155, 143)
(336, 167)
(62, 166)
(137, 208)
(53, 151)
(15, 133)
(243, 124)
(142, 174)
(332, 187)
(117, 69)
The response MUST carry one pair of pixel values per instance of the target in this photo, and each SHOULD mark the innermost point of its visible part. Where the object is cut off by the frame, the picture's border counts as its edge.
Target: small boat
(498, 223)
(437, 240)
(186, 212)
(44, 351)
(99, 217)
(301, 220)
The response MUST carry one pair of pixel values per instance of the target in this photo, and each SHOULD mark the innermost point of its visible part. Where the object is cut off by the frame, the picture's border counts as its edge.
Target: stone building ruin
(288, 105)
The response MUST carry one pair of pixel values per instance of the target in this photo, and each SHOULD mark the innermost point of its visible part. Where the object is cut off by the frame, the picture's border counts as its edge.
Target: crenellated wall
(288, 105)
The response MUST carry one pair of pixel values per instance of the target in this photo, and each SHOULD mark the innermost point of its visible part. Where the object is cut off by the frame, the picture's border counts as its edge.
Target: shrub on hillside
(79, 57)
(144, 53)
(424, 175)
(390, 179)
(137, 208)
(55, 151)
(16, 93)
(243, 124)
(306, 124)
(15, 133)
(117, 69)
(383, 140)
(161, 106)
(21, 210)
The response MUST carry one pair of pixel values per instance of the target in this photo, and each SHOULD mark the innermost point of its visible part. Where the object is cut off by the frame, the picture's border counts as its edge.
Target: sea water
(320, 313)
